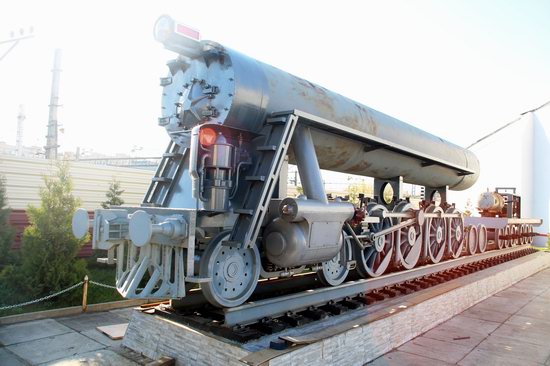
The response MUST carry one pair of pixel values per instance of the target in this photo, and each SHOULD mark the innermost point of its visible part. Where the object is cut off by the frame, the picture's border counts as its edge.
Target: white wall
(24, 178)
(539, 200)
(518, 156)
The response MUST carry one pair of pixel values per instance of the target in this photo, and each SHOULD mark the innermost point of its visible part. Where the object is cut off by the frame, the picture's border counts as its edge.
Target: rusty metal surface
(249, 91)
(500, 222)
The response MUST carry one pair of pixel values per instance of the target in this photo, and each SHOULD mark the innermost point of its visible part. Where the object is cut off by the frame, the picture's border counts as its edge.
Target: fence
(84, 283)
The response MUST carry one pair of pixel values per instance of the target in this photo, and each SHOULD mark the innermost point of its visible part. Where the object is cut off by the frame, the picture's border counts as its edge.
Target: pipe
(308, 166)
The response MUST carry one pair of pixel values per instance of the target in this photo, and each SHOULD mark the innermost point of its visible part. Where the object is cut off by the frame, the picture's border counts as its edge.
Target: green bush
(113, 195)
(47, 261)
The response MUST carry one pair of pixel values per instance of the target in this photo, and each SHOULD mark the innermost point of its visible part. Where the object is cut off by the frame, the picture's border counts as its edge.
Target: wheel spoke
(374, 260)
(335, 271)
(234, 272)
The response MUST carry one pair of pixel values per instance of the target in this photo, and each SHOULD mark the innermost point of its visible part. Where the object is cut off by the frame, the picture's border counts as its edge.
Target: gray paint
(249, 91)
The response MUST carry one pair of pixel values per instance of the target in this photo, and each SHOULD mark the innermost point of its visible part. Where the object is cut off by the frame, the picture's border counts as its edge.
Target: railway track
(267, 315)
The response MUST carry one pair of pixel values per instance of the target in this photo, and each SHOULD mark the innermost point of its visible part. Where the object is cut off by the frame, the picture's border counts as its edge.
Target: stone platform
(354, 338)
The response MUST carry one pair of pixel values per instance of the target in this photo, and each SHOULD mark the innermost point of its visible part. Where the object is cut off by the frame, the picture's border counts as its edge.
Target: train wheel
(521, 231)
(530, 236)
(234, 272)
(482, 238)
(435, 235)
(408, 240)
(508, 235)
(455, 239)
(514, 231)
(335, 271)
(374, 260)
(471, 239)
(499, 240)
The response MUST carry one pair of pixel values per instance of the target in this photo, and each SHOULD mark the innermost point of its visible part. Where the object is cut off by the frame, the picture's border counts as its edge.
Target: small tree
(113, 195)
(355, 188)
(49, 247)
(6, 231)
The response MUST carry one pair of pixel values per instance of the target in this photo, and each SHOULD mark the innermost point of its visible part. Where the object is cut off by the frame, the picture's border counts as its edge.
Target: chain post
(85, 294)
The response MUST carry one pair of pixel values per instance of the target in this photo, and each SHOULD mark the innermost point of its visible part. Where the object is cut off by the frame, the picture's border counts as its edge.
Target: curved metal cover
(225, 87)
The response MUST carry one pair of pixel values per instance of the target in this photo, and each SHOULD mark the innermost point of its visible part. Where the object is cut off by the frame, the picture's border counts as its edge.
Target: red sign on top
(186, 31)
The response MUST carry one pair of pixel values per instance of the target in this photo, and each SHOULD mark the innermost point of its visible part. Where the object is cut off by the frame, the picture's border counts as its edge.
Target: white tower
(19, 140)
(51, 137)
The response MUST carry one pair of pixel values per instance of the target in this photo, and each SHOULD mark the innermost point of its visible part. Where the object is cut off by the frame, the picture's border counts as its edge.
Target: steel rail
(273, 307)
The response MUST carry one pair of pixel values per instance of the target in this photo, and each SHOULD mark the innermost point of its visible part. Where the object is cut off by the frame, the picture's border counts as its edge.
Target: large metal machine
(216, 213)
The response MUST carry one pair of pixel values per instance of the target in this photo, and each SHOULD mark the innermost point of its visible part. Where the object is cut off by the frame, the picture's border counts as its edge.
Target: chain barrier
(47, 297)
(7, 307)
(102, 284)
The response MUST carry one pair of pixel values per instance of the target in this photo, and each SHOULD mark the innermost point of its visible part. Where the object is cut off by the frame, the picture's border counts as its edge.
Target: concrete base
(354, 338)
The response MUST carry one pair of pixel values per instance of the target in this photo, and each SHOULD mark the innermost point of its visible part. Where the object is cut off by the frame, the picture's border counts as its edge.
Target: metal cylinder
(296, 209)
(491, 201)
(308, 166)
(217, 180)
(287, 245)
(243, 92)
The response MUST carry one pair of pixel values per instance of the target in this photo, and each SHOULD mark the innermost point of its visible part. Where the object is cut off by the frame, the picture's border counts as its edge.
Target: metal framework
(251, 312)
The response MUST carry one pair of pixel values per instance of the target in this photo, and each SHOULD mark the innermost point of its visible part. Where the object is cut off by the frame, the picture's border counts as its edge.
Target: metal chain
(7, 307)
(101, 284)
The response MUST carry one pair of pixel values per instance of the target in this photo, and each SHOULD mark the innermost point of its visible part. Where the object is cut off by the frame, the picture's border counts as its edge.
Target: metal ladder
(165, 176)
(262, 181)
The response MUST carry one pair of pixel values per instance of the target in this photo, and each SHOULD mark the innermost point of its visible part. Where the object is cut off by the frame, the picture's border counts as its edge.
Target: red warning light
(207, 136)
(188, 32)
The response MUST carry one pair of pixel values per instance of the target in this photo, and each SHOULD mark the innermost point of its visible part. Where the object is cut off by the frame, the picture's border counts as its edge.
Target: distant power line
(14, 40)
(508, 124)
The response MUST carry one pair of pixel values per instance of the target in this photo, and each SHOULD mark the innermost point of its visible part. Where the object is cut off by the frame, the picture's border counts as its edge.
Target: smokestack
(19, 139)
(51, 137)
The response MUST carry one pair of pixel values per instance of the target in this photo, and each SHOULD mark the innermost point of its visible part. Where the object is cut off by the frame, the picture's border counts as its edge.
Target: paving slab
(29, 331)
(515, 348)
(462, 330)
(456, 335)
(542, 275)
(125, 313)
(529, 334)
(54, 348)
(511, 327)
(480, 357)
(436, 349)
(501, 304)
(9, 359)
(115, 331)
(399, 358)
(87, 321)
(515, 294)
(96, 358)
(531, 288)
(536, 309)
(527, 321)
(100, 337)
(474, 325)
(484, 314)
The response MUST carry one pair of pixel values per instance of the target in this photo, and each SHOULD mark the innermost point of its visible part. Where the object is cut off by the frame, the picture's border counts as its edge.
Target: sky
(457, 69)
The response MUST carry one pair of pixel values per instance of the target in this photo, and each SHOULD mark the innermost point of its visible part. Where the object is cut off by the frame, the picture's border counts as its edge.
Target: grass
(102, 273)
(98, 272)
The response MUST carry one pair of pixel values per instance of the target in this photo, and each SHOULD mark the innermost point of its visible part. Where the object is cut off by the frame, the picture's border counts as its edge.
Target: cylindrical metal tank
(213, 84)
(491, 201)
